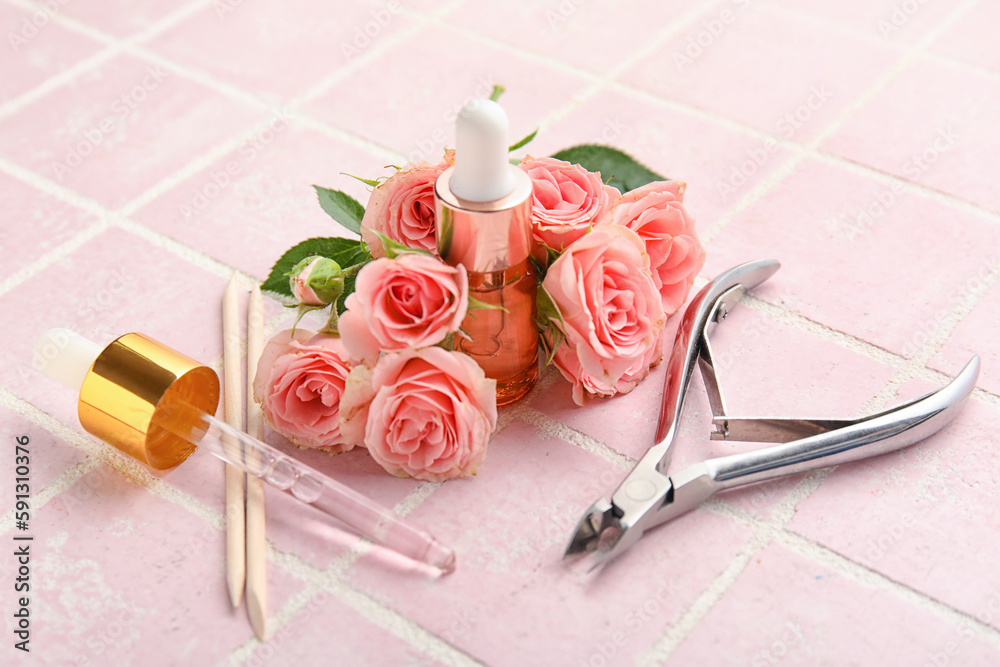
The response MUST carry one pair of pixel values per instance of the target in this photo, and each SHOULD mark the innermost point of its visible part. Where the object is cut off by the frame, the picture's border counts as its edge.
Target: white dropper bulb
(482, 171)
(65, 356)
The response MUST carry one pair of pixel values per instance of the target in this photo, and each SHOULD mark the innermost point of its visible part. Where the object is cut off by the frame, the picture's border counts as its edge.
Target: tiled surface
(120, 574)
(878, 278)
(36, 48)
(965, 41)
(974, 335)
(35, 224)
(274, 48)
(830, 615)
(117, 130)
(940, 141)
(889, 282)
(660, 135)
(253, 191)
(449, 67)
(905, 515)
(705, 66)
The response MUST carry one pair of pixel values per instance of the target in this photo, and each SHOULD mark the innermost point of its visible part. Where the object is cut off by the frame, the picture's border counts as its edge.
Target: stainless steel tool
(651, 495)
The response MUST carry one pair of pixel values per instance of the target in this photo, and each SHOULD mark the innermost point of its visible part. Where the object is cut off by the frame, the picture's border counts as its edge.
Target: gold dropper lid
(123, 395)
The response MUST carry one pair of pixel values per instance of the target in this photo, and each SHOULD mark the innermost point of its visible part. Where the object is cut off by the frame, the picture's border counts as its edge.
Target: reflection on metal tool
(651, 494)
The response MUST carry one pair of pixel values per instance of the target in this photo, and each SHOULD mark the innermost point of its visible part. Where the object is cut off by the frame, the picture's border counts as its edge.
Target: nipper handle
(687, 343)
(884, 432)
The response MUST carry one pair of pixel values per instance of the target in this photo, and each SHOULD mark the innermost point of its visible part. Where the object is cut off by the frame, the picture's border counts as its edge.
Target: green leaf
(342, 207)
(620, 169)
(346, 252)
(547, 309)
(523, 142)
(303, 309)
(394, 248)
(373, 182)
(550, 341)
(476, 304)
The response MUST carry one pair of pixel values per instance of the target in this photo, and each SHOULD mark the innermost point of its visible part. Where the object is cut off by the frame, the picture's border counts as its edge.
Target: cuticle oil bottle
(483, 217)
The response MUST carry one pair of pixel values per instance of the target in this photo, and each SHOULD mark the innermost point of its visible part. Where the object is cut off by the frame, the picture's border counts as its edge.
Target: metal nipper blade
(651, 495)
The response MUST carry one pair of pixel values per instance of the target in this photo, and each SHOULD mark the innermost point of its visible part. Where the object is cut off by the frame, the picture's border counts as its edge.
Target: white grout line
(50, 187)
(57, 81)
(814, 152)
(98, 452)
(529, 415)
(559, 430)
(871, 40)
(416, 498)
(349, 138)
(894, 71)
(679, 630)
(113, 47)
(101, 452)
(667, 644)
(777, 531)
(51, 257)
(703, 604)
(192, 255)
(871, 579)
(330, 581)
(40, 498)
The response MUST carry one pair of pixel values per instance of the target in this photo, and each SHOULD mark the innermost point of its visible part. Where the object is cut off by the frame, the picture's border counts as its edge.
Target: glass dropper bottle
(156, 405)
(483, 219)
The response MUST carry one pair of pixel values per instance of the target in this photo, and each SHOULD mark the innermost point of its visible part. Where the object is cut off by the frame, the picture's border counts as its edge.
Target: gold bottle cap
(123, 395)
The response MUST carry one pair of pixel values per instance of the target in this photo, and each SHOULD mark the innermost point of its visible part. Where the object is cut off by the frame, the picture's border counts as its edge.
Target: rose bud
(317, 281)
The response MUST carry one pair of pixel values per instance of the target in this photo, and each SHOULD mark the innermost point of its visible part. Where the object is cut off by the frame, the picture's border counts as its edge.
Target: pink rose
(431, 416)
(656, 213)
(567, 200)
(414, 300)
(402, 208)
(299, 384)
(355, 403)
(585, 384)
(611, 313)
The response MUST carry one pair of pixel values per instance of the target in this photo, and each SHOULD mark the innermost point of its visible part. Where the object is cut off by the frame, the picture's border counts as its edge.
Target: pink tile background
(890, 248)
(36, 48)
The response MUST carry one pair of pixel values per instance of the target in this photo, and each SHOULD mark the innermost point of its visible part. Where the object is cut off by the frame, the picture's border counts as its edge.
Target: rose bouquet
(615, 253)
